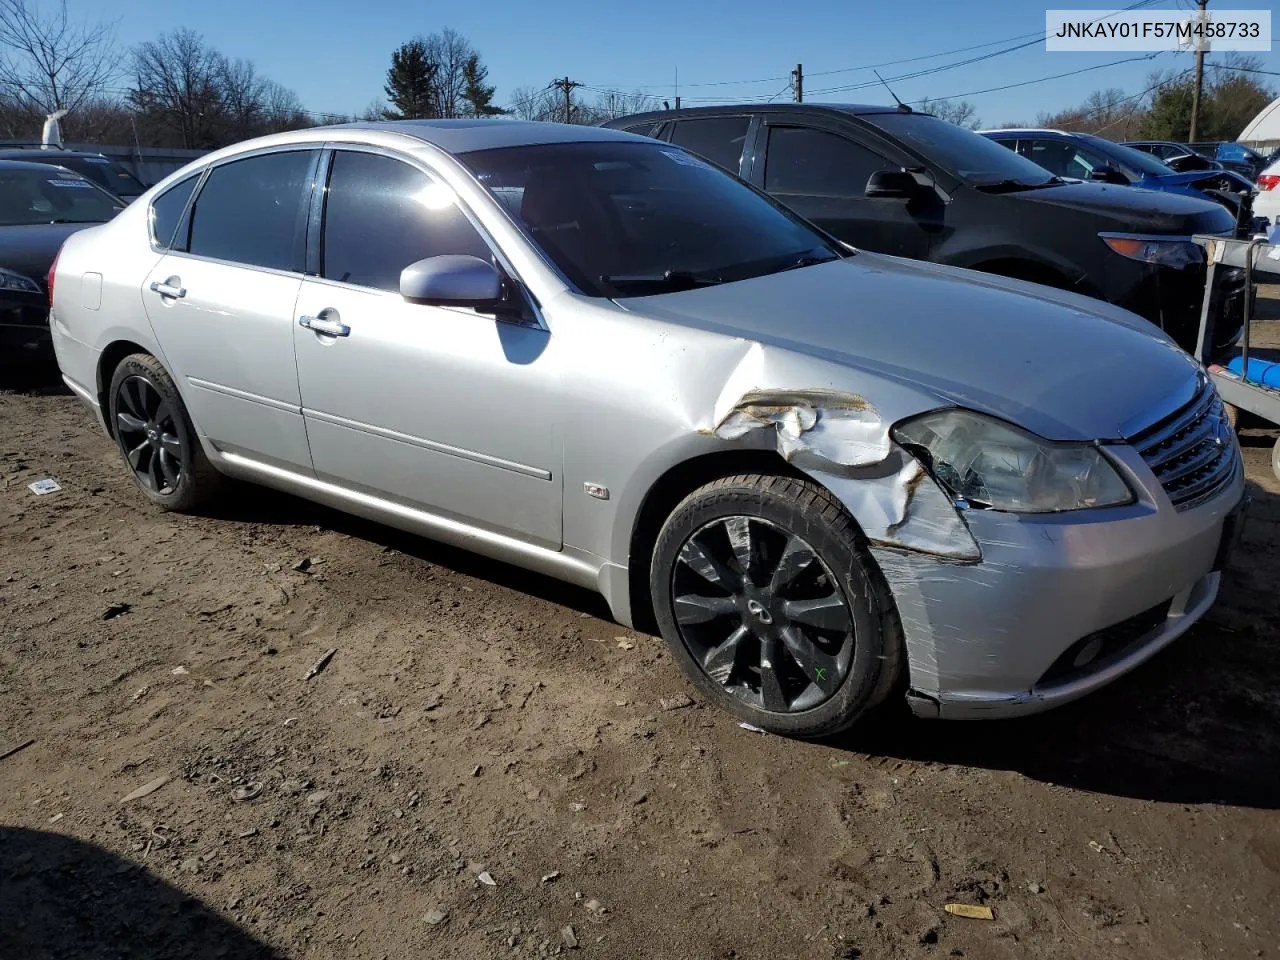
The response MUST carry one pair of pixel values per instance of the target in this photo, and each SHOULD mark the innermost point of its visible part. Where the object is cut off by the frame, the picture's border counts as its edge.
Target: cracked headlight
(16, 281)
(990, 463)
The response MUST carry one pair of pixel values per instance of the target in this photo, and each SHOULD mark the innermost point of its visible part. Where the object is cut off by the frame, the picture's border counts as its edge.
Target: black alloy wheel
(761, 613)
(147, 430)
(156, 438)
(773, 606)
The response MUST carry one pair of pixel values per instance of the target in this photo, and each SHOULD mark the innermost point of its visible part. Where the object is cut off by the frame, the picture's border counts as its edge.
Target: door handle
(326, 325)
(167, 289)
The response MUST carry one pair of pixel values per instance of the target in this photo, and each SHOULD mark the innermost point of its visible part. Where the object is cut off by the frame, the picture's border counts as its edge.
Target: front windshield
(48, 195)
(628, 219)
(1131, 161)
(963, 153)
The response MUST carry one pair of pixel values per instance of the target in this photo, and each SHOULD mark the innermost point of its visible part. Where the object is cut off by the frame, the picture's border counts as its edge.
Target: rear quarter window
(168, 211)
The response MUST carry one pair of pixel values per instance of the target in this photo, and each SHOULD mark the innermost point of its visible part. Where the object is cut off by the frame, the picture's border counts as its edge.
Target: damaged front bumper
(1059, 605)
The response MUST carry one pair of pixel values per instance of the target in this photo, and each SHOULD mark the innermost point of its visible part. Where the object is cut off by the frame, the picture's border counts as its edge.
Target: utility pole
(1198, 92)
(797, 82)
(677, 104)
(566, 86)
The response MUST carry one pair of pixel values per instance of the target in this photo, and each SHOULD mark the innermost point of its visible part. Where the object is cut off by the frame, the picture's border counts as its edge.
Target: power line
(1138, 96)
(1228, 66)
(1055, 76)
(1034, 37)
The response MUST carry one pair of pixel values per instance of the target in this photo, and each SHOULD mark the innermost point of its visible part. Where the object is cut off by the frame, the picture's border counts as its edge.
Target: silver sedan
(826, 477)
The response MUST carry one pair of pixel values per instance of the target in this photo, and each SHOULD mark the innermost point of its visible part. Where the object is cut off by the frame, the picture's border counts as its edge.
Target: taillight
(1269, 181)
(49, 278)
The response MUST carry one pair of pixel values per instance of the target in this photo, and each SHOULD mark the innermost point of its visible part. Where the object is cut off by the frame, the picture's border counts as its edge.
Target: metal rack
(1224, 260)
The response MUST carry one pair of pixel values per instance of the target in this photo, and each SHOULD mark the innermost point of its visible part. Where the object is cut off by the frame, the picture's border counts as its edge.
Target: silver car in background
(825, 476)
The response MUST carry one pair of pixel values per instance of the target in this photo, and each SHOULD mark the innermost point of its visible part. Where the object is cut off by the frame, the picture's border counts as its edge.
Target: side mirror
(451, 281)
(1107, 174)
(891, 185)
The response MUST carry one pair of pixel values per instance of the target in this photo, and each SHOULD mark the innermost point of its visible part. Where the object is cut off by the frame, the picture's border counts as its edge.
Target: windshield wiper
(671, 279)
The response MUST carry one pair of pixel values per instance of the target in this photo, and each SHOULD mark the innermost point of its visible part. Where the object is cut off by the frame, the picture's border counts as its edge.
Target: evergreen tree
(478, 94)
(411, 82)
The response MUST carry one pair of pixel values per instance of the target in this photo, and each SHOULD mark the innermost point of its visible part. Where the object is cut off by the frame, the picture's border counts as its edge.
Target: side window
(254, 211)
(1061, 158)
(814, 163)
(718, 139)
(167, 211)
(644, 129)
(382, 214)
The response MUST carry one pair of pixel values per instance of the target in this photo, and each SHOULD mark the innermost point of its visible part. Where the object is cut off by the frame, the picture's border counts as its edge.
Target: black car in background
(40, 206)
(106, 173)
(1177, 156)
(1234, 156)
(898, 182)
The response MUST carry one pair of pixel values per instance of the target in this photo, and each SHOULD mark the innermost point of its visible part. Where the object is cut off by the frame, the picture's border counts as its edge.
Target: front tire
(773, 607)
(155, 436)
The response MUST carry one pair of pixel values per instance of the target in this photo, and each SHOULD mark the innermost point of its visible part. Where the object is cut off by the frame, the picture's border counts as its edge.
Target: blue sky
(334, 53)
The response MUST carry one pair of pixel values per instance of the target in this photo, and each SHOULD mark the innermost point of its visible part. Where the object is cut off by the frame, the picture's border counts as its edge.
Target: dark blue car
(1081, 156)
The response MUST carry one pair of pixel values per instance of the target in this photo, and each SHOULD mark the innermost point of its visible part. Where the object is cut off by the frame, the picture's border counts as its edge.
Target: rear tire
(773, 607)
(154, 434)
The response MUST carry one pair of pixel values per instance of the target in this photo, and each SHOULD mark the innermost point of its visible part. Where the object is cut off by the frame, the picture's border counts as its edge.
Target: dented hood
(1061, 365)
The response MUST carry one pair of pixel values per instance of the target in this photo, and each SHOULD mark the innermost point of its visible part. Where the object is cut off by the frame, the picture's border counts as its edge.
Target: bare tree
(282, 110)
(243, 96)
(962, 113)
(536, 103)
(615, 103)
(374, 111)
(450, 51)
(49, 62)
(177, 87)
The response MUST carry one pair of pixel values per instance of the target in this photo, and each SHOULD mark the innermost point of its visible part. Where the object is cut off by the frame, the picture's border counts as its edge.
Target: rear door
(821, 173)
(221, 302)
(719, 139)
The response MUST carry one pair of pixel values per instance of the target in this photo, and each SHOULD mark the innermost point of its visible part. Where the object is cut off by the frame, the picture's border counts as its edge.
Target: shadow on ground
(38, 377)
(246, 503)
(61, 898)
(1198, 724)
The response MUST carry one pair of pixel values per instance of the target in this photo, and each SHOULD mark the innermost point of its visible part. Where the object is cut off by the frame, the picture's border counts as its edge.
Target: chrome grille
(1192, 451)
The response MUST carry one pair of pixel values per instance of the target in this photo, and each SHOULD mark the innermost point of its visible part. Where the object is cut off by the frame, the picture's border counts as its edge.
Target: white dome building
(1263, 132)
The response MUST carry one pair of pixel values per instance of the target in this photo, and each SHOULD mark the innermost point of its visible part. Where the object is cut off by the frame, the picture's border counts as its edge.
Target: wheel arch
(662, 497)
(108, 360)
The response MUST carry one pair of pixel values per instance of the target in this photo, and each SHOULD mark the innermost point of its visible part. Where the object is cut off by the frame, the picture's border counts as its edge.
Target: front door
(439, 408)
(822, 175)
(221, 302)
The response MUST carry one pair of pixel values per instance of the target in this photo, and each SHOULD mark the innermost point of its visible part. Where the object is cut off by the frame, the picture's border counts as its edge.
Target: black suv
(894, 181)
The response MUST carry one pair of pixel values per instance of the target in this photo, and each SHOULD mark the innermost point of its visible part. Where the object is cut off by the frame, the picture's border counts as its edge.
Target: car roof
(718, 110)
(14, 153)
(463, 136)
(1038, 131)
(6, 164)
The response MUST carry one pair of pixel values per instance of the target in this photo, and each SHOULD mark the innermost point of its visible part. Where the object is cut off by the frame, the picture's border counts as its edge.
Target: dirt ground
(487, 762)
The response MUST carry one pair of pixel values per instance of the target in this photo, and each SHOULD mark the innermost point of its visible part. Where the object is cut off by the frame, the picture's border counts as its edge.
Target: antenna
(901, 105)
